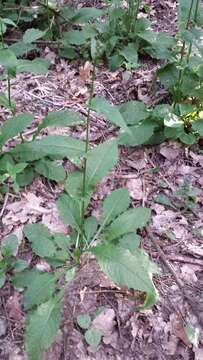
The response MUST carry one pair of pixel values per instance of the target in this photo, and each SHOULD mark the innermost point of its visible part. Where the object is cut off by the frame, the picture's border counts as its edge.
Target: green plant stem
(85, 158)
(180, 76)
(9, 90)
(196, 10)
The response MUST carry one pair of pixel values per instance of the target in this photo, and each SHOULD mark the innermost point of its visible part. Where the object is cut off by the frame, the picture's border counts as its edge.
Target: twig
(185, 259)
(4, 205)
(176, 278)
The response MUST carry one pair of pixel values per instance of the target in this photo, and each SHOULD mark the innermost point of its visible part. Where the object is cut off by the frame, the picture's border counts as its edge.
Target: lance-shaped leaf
(50, 170)
(100, 161)
(127, 222)
(42, 327)
(69, 210)
(32, 35)
(40, 239)
(109, 111)
(53, 145)
(114, 204)
(8, 58)
(127, 269)
(14, 126)
(36, 66)
(61, 118)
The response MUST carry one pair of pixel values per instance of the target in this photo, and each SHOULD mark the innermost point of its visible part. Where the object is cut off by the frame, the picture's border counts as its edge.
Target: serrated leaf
(9, 245)
(84, 321)
(75, 37)
(126, 269)
(69, 210)
(139, 135)
(197, 126)
(4, 101)
(85, 14)
(42, 327)
(100, 161)
(26, 177)
(40, 290)
(25, 278)
(2, 279)
(130, 54)
(192, 334)
(51, 145)
(36, 66)
(130, 242)
(14, 126)
(133, 112)
(114, 204)
(8, 58)
(109, 111)
(61, 118)
(32, 35)
(188, 139)
(93, 337)
(90, 227)
(20, 48)
(41, 239)
(128, 222)
(50, 170)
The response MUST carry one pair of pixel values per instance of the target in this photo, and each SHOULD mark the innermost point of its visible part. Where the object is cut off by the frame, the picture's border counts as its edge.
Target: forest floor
(173, 239)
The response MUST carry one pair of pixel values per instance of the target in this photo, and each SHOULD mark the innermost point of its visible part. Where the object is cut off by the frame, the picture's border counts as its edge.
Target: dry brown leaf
(135, 188)
(13, 307)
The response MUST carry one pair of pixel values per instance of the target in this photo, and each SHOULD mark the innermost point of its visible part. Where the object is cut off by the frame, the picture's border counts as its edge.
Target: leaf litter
(154, 334)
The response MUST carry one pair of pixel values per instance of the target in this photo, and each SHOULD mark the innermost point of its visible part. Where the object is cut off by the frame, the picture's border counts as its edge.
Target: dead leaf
(179, 330)
(105, 322)
(170, 151)
(85, 71)
(13, 307)
(135, 188)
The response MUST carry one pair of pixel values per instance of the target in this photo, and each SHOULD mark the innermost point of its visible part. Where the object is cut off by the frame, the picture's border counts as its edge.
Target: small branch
(179, 282)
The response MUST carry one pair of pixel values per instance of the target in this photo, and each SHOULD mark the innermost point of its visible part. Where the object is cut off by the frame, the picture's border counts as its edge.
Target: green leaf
(8, 58)
(133, 112)
(188, 139)
(90, 227)
(62, 241)
(197, 126)
(84, 321)
(139, 135)
(9, 245)
(93, 337)
(69, 210)
(130, 54)
(109, 111)
(41, 239)
(130, 242)
(53, 145)
(36, 66)
(13, 126)
(128, 222)
(114, 204)
(192, 334)
(126, 269)
(25, 278)
(40, 290)
(100, 161)
(84, 14)
(26, 177)
(4, 101)
(20, 48)
(168, 75)
(163, 200)
(50, 170)
(75, 37)
(32, 35)
(42, 327)
(62, 118)
(2, 279)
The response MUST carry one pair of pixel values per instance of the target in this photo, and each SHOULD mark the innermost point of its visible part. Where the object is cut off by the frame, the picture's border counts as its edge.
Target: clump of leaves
(20, 164)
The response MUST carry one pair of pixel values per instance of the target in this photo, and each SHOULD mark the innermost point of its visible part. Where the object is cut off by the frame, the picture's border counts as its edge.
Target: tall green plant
(113, 239)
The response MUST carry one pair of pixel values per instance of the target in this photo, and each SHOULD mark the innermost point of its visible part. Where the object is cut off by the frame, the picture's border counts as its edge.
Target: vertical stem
(85, 158)
(9, 89)
(187, 24)
(196, 10)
